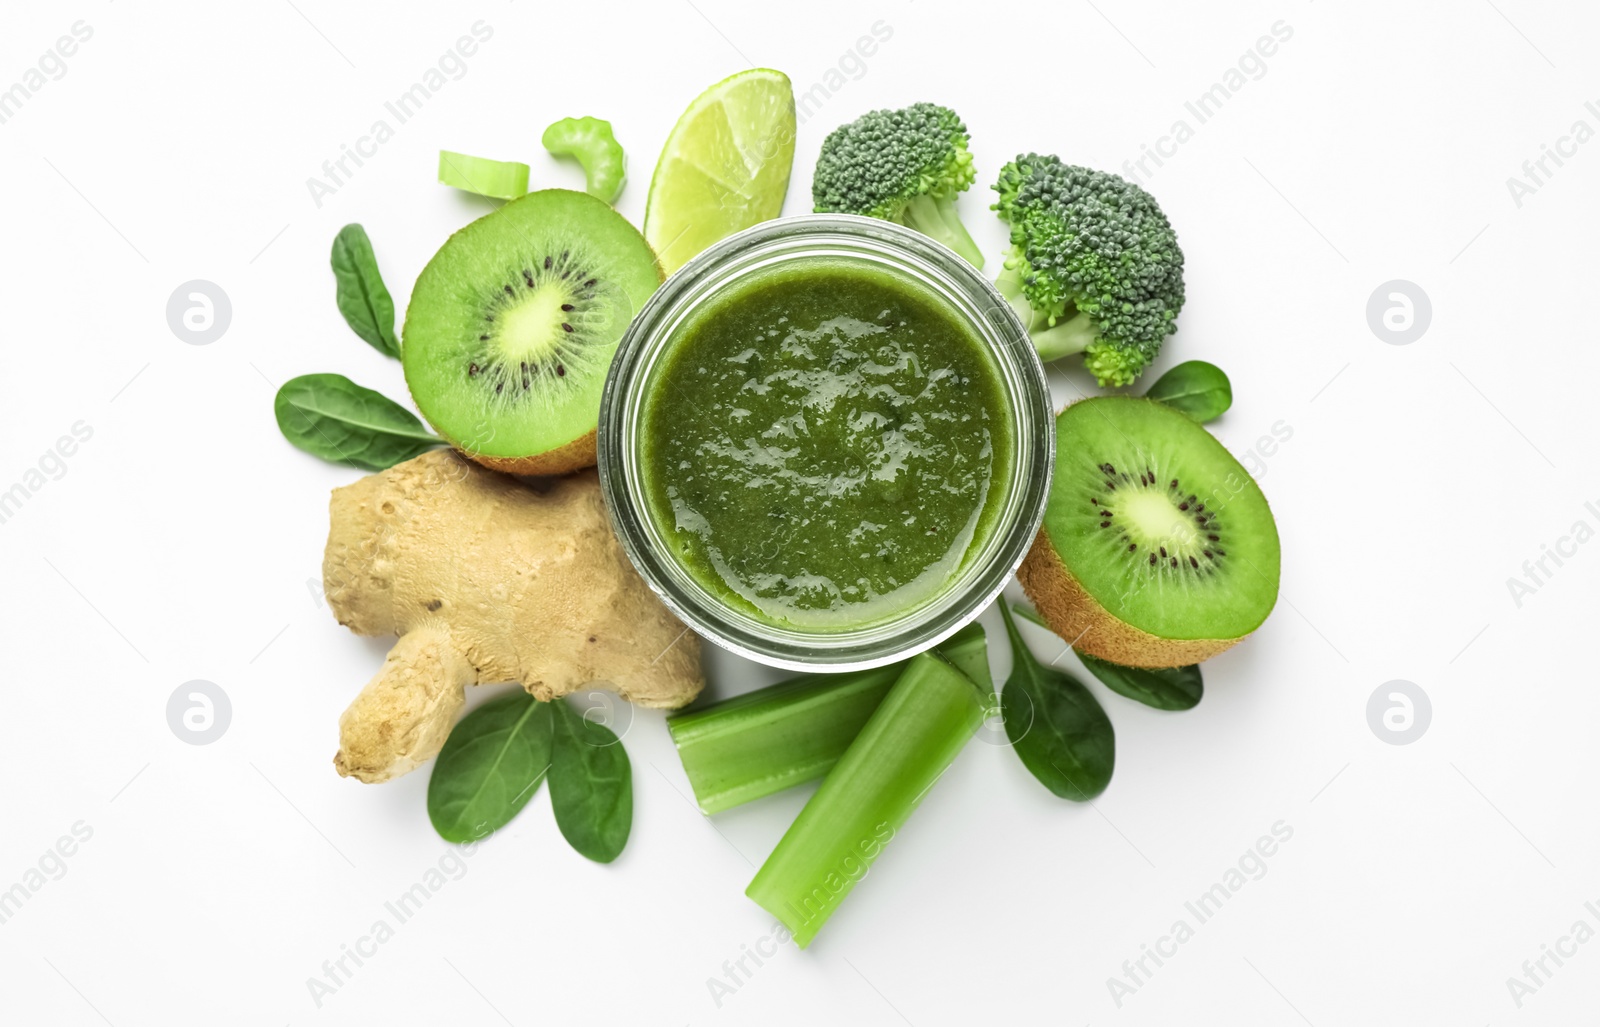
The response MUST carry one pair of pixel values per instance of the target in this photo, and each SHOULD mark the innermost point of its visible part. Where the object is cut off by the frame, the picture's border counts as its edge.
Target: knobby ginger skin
(486, 579)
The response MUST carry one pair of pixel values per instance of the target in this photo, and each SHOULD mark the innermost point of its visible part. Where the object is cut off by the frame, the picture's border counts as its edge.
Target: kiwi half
(1158, 549)
(513, 323)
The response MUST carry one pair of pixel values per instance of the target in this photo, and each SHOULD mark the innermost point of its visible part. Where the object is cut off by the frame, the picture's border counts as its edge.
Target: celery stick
(928, 715)
(968, 651)
(776, 737)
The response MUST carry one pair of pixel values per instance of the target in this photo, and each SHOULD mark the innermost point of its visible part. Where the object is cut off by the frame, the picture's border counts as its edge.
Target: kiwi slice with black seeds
(512, 326)
(1158, 549)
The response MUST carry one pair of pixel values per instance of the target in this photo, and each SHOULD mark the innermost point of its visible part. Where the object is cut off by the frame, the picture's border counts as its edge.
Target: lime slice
(724, 168)
(503, 180)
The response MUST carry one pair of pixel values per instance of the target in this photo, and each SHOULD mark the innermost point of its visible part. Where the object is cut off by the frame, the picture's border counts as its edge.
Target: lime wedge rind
(724, 167)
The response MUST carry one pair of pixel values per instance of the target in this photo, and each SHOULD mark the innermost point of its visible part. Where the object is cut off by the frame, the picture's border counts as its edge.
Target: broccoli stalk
(939, 220)
(1094, 265)
(1054, 336)
(907, 166)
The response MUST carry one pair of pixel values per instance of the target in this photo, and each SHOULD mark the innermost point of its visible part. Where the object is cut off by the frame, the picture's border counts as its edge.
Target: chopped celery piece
(502, 180)
(776, 737)
(911, 738)
(968, 651)
(596, 149)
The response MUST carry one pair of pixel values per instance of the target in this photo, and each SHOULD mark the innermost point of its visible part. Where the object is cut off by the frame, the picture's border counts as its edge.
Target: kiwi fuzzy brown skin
(1071, 583)
(1079, 618)
(574, 456)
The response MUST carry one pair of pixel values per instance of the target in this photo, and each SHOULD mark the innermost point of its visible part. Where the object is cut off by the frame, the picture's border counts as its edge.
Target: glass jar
(918, 260)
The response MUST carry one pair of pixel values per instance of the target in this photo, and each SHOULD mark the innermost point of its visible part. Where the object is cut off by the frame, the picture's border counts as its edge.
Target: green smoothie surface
(825, 444)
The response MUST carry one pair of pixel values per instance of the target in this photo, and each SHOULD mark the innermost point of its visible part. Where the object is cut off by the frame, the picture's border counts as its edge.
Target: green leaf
(591, 785)
(490, 767)
(1197, 388)
(1028, 613)
(1056, 727)
(332, 417)
(1174, 688)
(363, 300)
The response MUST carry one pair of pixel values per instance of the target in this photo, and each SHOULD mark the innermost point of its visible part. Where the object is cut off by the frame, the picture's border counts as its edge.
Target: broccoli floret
(906, 166)
(1094, 265)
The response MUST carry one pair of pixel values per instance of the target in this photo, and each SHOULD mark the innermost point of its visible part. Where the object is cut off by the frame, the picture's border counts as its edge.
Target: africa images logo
(451, 67)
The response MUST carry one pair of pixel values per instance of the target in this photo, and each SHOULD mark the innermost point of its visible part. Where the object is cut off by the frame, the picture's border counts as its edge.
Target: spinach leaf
(1028, 613)
(363, 300)
(591, 785)
(490, 767)
(332, 417)
(1056, 727)
(1175, 688)
(1199, 389)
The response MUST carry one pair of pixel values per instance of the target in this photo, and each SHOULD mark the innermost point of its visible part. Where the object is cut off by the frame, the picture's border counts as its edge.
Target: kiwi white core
(531, 330)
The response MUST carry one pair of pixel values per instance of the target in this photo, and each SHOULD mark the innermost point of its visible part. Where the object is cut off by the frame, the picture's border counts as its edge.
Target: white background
(179, 543)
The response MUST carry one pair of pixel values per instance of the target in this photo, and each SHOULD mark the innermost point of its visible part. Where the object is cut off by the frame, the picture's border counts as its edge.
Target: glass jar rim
(923, 261)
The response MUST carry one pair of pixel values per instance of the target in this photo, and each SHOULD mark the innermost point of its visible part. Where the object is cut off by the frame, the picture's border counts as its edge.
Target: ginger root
(486, 579)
